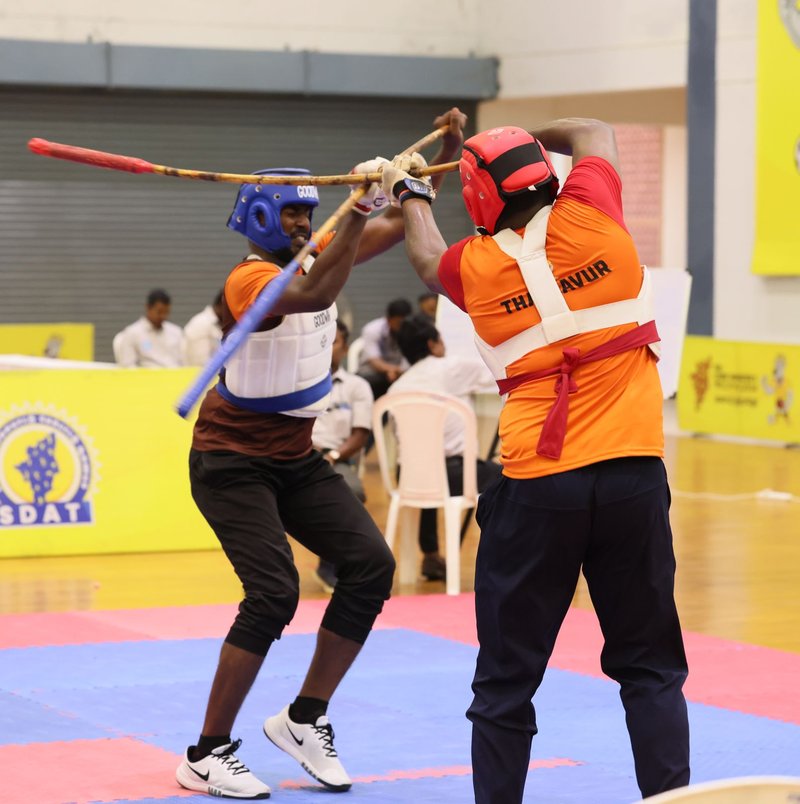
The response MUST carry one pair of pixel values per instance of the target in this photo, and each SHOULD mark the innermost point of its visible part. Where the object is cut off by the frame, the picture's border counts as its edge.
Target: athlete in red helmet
(562, 315)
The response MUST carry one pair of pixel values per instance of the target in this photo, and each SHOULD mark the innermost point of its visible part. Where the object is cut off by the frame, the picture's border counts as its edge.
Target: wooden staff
(269, 295)
(133, 164)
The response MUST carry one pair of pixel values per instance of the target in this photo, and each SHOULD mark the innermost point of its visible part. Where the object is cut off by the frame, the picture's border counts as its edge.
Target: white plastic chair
(743, 790)
(419, 419)
(354, 355)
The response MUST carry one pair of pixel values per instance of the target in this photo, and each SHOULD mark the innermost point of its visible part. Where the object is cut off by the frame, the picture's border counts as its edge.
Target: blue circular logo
(45, 473)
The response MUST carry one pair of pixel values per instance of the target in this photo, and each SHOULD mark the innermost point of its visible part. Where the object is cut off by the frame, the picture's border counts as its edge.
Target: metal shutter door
(79, 243)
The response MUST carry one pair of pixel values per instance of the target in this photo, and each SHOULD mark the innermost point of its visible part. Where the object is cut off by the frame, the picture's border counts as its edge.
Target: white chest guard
(292, 357)
(558, 321)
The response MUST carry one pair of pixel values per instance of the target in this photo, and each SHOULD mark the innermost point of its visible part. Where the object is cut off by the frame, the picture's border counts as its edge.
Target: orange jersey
(248, 279)
(223, 426)
(617, 410)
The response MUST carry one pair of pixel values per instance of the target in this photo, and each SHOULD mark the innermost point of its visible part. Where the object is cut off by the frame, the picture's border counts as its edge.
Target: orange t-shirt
(248, 279)
(223, 426)
(617, 410)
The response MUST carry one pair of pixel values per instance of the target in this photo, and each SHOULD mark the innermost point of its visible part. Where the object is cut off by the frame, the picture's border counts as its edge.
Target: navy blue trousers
(610, 519)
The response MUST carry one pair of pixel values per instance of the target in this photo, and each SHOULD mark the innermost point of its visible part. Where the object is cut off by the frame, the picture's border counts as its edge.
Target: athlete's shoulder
(595, 183)
(245, 282)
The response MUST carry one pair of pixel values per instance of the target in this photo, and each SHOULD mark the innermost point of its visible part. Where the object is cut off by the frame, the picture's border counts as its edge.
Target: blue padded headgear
(270, 199)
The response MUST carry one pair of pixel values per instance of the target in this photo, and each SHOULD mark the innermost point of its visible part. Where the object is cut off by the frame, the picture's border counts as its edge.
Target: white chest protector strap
(558, 321)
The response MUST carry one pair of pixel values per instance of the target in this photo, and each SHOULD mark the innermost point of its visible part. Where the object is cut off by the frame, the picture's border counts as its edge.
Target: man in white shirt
(431, 370)
(152, 341)
(382, 362)
(341, 432)
(202, 334)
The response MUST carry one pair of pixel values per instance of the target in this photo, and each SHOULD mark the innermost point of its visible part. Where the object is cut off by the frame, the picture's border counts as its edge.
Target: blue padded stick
(252, 317)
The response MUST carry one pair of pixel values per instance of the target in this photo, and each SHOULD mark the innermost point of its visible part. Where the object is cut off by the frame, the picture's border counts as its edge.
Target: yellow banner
(744, 389)
(65, 341)
(96, 462)
(777, 231)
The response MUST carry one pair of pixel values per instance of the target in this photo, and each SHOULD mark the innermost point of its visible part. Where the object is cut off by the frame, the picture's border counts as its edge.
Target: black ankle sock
(205, 745)
(307, 710)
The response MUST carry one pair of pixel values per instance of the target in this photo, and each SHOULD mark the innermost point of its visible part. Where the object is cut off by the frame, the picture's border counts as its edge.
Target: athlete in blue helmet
(255, 477)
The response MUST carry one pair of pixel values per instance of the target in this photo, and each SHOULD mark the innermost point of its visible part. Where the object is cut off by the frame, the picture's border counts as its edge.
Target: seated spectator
(427, 303)
(152, 341)
(203, 333)
(381, 360)
(430, 370)
(341, 432)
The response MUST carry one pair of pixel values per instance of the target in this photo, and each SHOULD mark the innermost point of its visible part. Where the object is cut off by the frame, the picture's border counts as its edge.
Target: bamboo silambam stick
(133, 164)
(269, 296)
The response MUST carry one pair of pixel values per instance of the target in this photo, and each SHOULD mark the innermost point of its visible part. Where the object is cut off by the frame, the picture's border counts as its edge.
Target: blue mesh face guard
(270, 199)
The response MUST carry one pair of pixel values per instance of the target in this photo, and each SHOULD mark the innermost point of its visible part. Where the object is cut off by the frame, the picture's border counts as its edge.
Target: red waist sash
(551, 440)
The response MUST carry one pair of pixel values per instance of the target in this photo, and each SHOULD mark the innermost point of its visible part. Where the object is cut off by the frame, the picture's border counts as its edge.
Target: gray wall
(83, 244)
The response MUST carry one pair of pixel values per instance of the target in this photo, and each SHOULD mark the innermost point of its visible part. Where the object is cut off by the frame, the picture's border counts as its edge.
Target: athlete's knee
(376, 569)
(363, 585)
(264, 614)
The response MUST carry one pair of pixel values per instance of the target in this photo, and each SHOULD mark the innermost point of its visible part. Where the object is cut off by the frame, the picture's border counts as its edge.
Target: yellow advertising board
(777, 233)
(65, 341)
(743, 389)
(96, 462)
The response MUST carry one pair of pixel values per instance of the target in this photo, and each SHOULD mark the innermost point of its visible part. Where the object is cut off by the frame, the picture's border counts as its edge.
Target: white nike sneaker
(221, 774)
(311, 746)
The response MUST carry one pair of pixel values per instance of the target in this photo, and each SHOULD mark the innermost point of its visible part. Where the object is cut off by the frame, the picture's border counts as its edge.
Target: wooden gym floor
(738, 552)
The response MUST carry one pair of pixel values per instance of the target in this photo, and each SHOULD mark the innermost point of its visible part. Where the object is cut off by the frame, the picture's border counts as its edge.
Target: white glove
(399, 169)
(374, 198)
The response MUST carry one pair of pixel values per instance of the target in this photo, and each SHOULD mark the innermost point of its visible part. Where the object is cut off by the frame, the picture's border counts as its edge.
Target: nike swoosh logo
(299, 742)
(203, 776)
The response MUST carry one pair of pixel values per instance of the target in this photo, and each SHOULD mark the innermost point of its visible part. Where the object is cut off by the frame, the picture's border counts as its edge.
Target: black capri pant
(252, 502)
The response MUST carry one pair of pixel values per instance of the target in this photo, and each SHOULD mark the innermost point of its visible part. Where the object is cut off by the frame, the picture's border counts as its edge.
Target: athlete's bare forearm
(319, 289)
(424, 242)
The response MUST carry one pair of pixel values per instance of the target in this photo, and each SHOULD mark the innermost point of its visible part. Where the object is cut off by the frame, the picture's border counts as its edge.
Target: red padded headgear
(498, 164)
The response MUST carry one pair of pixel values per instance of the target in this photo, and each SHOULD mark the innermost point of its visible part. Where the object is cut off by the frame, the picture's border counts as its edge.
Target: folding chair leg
(452, 536)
